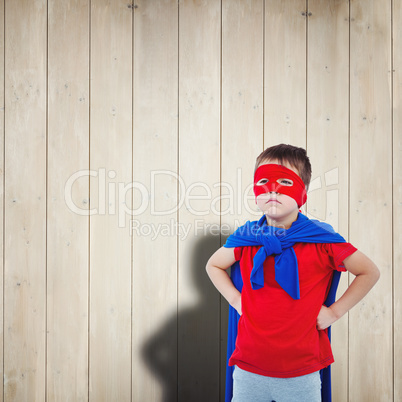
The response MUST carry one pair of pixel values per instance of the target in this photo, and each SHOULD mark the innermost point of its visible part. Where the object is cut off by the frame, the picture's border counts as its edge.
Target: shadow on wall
(188, 352)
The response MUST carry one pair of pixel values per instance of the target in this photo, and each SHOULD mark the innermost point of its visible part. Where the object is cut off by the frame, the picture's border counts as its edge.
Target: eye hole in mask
(285, 182)
(261, 182)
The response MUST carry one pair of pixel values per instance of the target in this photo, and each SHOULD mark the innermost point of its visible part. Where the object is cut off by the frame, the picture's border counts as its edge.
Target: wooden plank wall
(327, 128)
(129, 134)
(25, 201)
(397, 193)
(67, 232)
(155, 91)
(371, 129)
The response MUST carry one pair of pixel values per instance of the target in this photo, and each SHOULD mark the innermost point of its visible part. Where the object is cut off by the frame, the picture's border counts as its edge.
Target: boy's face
(276, 206)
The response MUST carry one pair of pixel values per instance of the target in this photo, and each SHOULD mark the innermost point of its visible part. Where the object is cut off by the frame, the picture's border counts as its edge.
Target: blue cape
(279, 242)
(259, 233)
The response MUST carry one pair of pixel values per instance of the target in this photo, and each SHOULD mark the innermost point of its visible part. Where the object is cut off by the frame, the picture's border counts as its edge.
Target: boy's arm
(216, 268)
(367, 274)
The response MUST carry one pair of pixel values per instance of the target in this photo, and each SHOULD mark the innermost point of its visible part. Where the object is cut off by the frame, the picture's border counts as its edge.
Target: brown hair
(295, 156)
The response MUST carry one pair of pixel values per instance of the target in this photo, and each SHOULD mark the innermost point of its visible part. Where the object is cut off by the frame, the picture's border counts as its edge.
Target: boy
(287, 263)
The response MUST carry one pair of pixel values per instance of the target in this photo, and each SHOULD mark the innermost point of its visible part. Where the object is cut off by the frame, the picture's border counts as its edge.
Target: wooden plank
(242, 122)
(397, 186)
(2, 138)
(154, 230)
(370, 351)
(242, 105)
(285, 72)
(25, 201)
(68, 155)
(328, 143)
(199, 168)
(110, 195)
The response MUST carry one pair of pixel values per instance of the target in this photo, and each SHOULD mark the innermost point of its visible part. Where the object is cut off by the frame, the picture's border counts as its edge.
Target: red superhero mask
(279, 179)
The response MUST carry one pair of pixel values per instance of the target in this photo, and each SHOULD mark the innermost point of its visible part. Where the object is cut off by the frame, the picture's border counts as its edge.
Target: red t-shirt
(277, 335)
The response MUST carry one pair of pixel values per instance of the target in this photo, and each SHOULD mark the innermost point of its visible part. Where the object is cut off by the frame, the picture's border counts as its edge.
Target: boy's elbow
(209, 267)
(376, 275)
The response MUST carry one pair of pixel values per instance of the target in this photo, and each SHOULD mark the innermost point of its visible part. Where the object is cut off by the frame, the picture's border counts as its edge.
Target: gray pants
(250, 387)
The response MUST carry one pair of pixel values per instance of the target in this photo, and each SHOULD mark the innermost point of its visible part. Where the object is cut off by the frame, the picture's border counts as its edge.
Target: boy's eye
(285, 182)
(262, 182)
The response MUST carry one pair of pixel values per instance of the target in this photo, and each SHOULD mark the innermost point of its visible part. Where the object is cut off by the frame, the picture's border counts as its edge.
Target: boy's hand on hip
(237, 304)
(326, 317)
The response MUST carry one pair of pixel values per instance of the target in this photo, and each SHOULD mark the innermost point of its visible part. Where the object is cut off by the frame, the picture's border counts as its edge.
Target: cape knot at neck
(269, 240)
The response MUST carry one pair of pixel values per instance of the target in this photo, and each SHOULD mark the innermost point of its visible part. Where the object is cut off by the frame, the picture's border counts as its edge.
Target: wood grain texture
(370, 204)
(199, 168)
(155, 231)
(168, 103)
(2, 139)
(110, 241)
(68, 182)
(242, 123)
(242, 106)
(328, 143)
(397, 192)
(25, 201)
(285, 72)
